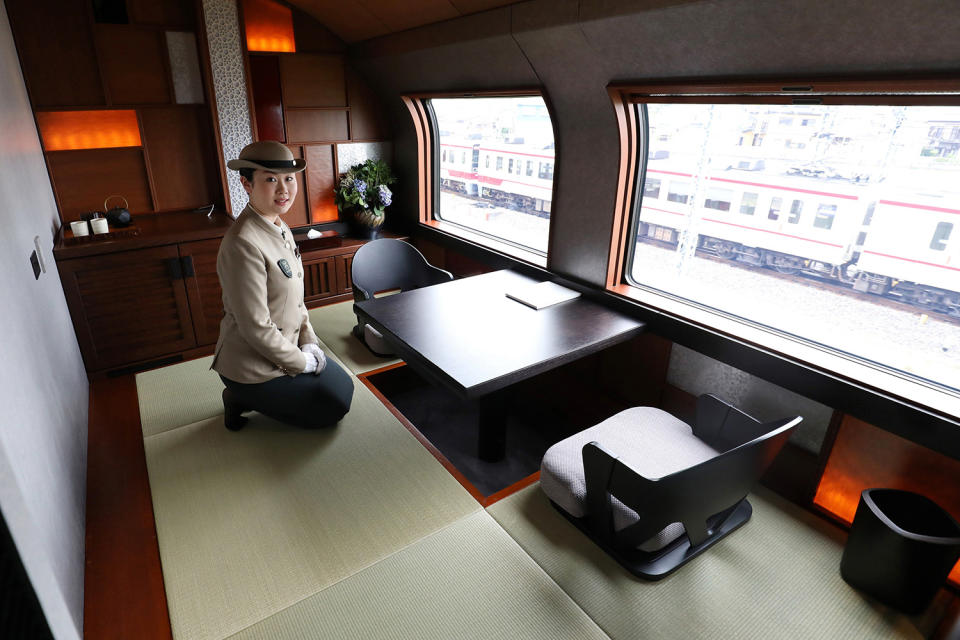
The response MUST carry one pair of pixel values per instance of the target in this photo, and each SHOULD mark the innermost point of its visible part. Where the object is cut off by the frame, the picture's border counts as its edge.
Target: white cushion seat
(648, 440)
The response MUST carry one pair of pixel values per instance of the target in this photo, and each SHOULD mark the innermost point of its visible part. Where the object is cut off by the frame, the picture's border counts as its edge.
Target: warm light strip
(64, 130)
(865, 457)
(269, 27)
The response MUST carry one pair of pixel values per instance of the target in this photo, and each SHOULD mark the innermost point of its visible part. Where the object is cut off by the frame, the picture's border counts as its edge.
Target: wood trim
(151, 185)
(879, 88)
(424, 151)
(124, 595)
(627, 172)
(512, 489)
(484, 93)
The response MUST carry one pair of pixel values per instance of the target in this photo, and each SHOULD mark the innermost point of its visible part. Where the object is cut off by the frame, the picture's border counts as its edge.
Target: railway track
(824, 285)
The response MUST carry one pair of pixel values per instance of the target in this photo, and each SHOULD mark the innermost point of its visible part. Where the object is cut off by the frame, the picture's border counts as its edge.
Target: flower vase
(365, 223)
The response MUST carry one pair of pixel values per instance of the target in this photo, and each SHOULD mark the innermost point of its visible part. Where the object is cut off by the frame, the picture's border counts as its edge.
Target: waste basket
(901, 548)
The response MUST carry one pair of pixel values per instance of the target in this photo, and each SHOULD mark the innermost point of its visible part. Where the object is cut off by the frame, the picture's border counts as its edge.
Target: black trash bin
(901, 548)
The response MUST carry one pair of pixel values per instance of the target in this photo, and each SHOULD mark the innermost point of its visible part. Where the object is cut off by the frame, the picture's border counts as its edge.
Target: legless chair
(653, 493)
(383, 265)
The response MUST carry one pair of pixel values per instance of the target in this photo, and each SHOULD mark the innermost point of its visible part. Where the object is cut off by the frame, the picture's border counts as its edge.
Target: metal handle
(174, 268)
(186, 262)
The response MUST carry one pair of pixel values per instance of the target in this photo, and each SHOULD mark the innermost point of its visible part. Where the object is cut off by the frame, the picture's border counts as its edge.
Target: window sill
(875, 378)
(487, 242)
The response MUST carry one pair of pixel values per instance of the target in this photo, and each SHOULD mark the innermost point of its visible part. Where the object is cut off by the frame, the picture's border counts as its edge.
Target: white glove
(311, 363)
(314, 349)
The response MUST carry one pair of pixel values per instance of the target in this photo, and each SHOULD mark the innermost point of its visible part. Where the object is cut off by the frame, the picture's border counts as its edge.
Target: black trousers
(307, 400)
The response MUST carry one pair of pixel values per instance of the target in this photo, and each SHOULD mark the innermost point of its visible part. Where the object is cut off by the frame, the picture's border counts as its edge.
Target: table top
(469, 336)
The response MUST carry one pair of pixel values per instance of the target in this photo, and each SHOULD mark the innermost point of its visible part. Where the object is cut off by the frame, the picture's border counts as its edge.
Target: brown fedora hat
(269, 156)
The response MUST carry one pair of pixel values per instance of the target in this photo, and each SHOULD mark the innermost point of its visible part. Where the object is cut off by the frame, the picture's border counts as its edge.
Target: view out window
(860, 203)
(718, 199)
(941, 235)
(825, 216)
(508, 206)
(775, 204)
(651, 188)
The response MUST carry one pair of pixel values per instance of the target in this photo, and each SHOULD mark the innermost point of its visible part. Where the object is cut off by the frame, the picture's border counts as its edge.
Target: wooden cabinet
(153, 295)
(128, 306)
(326, 273)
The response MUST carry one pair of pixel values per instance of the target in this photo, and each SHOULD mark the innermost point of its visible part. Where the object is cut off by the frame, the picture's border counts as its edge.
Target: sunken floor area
(361, 532)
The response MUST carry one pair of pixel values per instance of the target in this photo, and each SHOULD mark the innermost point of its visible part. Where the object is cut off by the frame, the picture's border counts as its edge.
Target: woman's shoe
(233, 412)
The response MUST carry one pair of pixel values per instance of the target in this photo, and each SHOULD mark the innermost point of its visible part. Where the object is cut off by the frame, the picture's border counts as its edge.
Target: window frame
(428, 169)
(923, 411)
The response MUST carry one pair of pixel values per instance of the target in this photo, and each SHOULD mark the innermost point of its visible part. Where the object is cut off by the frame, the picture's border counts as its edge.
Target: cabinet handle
(174, 270)
(187, 265)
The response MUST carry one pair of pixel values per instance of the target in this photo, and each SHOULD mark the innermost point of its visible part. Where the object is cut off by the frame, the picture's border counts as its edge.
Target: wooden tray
(71, 240)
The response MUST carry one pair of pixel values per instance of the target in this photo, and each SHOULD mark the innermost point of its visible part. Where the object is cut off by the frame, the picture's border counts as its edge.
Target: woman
(268, 355)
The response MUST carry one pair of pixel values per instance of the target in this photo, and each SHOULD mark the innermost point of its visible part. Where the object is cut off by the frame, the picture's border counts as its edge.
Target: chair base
(656, 565)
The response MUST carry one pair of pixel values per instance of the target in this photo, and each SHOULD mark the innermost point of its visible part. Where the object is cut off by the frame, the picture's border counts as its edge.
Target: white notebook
(541, 294)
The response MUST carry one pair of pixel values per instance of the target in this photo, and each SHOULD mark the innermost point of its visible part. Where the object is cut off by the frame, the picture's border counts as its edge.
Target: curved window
(844, 239)
(511, 200)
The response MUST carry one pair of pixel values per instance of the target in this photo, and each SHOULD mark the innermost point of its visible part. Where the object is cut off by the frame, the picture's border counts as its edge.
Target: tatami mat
(333, 324)
(467, 581)
(776, 577)
(177, 395)
(251, 522)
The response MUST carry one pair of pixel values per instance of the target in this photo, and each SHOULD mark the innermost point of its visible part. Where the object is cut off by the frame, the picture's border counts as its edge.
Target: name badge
(285, 267)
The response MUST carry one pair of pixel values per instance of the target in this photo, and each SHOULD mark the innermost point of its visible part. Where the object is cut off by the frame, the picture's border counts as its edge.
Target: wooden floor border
(124, 595)
(477, 495)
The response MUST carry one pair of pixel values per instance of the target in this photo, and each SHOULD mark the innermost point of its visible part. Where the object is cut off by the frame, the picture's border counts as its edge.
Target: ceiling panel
(364, 19)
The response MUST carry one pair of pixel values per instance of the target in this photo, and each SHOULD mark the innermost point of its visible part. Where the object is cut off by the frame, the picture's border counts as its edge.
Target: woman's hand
(315, 356)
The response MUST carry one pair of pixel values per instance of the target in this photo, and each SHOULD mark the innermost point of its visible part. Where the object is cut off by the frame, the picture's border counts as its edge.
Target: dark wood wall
(312, 100)
(77, 58)
(573, 50)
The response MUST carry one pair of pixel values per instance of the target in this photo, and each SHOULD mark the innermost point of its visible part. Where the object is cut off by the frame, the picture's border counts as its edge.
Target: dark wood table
(467, 336)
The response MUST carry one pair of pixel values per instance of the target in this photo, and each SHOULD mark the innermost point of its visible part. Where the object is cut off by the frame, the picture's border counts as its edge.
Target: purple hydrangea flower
(360, 186)
(386, 196)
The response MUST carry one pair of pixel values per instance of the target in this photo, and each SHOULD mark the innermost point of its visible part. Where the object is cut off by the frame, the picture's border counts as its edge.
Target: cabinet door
(127, 306)
(319, 279)
(344, 273)
(203, 288)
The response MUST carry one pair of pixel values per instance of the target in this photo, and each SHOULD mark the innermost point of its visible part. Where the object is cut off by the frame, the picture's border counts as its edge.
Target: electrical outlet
(35, 263)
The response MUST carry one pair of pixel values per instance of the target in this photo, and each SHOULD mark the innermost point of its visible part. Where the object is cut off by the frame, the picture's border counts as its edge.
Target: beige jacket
(265, 319)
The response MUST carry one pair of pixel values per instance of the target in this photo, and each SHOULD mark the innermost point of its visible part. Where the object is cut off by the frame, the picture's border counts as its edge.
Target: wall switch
(35, 263)
(36, 243)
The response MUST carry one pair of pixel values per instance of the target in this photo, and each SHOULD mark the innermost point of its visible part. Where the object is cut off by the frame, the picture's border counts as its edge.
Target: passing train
(516, 176)
(856, 235)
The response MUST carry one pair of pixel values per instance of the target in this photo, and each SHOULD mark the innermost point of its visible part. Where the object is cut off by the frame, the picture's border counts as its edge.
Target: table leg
(492, 426)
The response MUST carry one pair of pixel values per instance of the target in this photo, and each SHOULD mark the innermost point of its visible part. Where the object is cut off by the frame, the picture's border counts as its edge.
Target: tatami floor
(359, 532)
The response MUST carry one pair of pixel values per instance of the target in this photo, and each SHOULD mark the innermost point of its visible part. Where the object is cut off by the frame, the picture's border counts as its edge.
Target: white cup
(80, 228)
(99, 225)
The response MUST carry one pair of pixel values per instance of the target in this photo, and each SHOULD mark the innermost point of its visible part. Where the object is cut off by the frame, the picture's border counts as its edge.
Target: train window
(444, 155)
(796, 208)
(717, 198)
(861, 190)
(501, 207)
(941, 235)
(776, 203)
(678, 191)
(825, 215)
(651, 188)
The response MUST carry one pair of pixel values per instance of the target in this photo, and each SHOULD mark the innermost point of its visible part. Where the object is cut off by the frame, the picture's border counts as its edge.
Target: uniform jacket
(265, 319)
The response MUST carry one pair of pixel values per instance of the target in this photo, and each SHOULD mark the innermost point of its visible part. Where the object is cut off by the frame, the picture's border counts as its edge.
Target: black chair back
(387, 264)
(694, 495)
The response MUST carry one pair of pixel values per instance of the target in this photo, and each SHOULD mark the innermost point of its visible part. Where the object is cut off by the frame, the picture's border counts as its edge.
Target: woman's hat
(269, 156)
